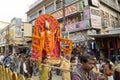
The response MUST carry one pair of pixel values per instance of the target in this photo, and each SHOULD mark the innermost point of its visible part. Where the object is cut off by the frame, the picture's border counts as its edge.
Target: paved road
(54, 77)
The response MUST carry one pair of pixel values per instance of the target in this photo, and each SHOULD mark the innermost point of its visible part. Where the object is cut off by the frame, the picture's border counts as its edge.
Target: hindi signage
(68, 10)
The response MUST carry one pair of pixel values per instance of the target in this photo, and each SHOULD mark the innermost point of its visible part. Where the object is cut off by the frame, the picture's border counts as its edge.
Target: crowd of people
(81, 67)
(86, 67)
(20, 63)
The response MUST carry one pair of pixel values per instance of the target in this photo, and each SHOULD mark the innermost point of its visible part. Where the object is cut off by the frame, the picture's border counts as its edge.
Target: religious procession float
(46, 39)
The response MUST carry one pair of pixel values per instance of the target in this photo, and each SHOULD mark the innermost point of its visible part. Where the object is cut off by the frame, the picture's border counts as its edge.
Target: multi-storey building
(86, 16)
(3, 40)
(3, 24)
(82, 17)
(2, 35)
(14, 37)
(110, 14)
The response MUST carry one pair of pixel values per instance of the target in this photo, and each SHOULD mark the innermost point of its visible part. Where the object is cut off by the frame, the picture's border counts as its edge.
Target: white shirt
(110, 77)
(1, 58)
(24, 67)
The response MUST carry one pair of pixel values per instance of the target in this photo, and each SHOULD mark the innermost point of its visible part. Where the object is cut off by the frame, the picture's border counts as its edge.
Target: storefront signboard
(95, 18)
(11, 35)
(86, 14)
(79, 36)
(78, 26)
(68, 11)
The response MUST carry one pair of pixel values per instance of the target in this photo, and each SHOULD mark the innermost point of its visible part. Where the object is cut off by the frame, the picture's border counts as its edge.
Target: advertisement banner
(11, 35)
(79, 36)
(68, 10)
(95, 18)
(86, 14)
(18, 32)
(78, 26)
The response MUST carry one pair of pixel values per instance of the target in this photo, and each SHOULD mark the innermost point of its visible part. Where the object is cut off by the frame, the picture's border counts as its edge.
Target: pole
(63, 8)
(8, 38)
(69, 70)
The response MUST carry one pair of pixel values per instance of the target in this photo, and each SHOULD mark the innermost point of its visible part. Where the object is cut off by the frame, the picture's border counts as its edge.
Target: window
(116, 22)
(112, 20)
(58, 4)
(105, 18)
(95, 12)
(49, 8)
(68, 1)
(40, 12)
(33, 16)
(16, 21)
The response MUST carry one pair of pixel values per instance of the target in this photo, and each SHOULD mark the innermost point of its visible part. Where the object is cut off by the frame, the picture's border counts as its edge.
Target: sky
(14, 8)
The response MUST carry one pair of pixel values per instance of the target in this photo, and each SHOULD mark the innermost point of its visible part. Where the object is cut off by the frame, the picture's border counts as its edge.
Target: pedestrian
(35, 67)
(29, 65)
(108, 71)
(96, 70)
(116, 69)
(1, 58)
(84, 72)
(44, 71)
(66, 67)
(73, 63)
(101, 66)
(15, 60)
(26, 71)
(20, 65)
(7, 60)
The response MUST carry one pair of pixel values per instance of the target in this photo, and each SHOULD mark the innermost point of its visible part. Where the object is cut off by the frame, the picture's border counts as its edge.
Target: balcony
(110, 3)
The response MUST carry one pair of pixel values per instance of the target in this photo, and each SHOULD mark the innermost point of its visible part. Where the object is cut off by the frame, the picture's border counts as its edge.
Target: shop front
(107, 45)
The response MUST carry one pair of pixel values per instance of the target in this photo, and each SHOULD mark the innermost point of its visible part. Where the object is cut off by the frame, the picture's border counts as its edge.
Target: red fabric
(34, 55)
(56, 51)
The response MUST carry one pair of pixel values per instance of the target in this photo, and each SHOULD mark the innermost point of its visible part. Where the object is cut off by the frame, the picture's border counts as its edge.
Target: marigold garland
(42, 40)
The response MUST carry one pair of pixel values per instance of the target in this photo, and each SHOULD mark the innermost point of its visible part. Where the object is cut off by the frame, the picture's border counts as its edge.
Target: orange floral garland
(69, 42)
(42, 40)
(49, 43)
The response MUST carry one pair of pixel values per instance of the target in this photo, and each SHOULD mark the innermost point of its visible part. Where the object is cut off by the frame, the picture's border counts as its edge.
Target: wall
(108, 10)
(27, 29)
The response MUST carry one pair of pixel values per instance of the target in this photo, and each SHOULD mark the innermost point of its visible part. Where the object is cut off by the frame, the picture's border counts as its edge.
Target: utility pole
(63, 8)
(8, 37)
(64, 20)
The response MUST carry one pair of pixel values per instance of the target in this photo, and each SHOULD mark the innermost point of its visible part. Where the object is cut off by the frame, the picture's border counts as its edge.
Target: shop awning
(105, 35)
(80, 37)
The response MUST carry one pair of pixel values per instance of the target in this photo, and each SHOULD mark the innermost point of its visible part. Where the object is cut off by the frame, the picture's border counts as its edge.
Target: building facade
(14, 37)
(81, 18)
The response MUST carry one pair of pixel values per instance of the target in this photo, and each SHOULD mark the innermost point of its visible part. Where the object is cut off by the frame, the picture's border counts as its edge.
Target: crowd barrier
(6, 74)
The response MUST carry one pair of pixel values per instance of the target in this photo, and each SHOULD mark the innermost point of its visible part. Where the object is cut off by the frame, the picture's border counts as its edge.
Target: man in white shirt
(1, 59)
(26, 73)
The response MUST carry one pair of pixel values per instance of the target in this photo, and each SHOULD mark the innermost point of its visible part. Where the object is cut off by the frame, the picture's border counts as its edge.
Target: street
(54, 77)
